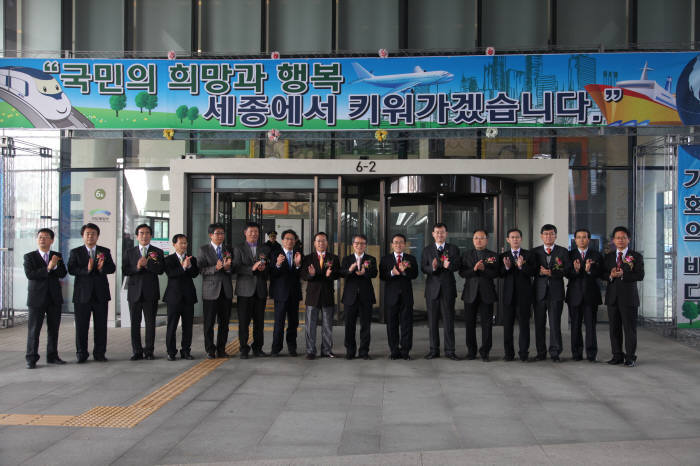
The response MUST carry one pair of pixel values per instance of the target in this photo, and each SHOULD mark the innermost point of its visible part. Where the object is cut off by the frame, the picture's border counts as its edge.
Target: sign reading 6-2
(100, 193)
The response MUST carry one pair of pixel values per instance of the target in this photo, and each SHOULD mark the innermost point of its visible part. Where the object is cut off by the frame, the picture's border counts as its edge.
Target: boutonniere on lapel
(558, 264)
(490, 260)
(444, 257)
(629, 260)
(100, 256)
(226, 255)
(153, 256)
(366, 264)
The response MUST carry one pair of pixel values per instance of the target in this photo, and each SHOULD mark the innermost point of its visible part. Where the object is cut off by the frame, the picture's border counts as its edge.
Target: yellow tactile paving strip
(126, 416)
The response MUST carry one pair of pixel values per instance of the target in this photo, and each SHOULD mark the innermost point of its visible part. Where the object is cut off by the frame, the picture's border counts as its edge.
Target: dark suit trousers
(352, 311)
(522, 310)
(623, 319)
(399, 316)
(176, 311)
(486, 316)
(35, 321)
(285, 310)
(216, 310)
(249, 308)
(442, 307)
(551, 309)
(149, 309)
(98, 310)
(584, 313)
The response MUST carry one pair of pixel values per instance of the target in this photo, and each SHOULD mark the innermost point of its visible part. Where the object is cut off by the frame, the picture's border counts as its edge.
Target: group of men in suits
(532, 280)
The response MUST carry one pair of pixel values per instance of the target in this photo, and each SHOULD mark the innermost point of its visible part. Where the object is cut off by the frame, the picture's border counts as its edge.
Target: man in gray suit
(215, 264)
(250, 261)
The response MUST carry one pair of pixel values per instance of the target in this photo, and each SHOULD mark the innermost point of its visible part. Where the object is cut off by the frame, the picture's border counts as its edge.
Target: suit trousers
(352, 311)
(179, 311)
(623, 319)
(326, 331)
(399, 317)
(251, 308)
(216, 310)
(35, 321)
(98, 310)
(486, 316)
(552, 309)
(288, 310)
(442, 307)
(149, 309)
(522, 310)
(584, 314)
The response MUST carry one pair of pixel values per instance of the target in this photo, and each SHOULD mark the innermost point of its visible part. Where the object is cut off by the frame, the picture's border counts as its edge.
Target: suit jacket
(583, 286)
(249, 283)
(358, 287)
(551, 287)
(180, 284)
(398, 285)
(143, 283)
(213, 281)
(91, 284)
(622, 291)
(481, 281)
(320, 290)
(44, 286)
(517, 282)
(440, 279)
(285, 281)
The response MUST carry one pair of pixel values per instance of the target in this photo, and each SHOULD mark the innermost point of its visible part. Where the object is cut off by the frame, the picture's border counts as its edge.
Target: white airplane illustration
(402, 82)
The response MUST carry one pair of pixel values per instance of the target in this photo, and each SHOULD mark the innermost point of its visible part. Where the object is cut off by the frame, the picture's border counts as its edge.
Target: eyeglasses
(359, 243)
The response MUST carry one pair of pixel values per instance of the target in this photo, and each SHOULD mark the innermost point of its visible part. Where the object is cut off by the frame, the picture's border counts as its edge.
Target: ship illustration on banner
(638, 102)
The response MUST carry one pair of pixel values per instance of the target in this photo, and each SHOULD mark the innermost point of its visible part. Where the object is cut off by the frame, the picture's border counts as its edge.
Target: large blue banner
(688, 238)
(617, 89)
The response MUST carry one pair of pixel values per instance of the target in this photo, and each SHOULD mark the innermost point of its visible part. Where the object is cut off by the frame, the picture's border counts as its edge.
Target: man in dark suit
(517, 267)
(250, 265)
(358, 269)
(285, 289)
(439, 263)
(583, 295)
(180, 296)
(43, 269)
(552, 264)
(320, 269)
(142, 264)
(272, 244)
(91, 264)
(215, 262)
(479, 268)
(397, 270)
(623, 268)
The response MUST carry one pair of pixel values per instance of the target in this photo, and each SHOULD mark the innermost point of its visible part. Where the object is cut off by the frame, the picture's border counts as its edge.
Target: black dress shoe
(293, 353)
(556, 359)
(615, 362)
(171, 357)
(539, 357)
(100, 358)
(366, 357)
(452, 356)
(55, 360)
(224, 354)
(349, 357)
(630, 363)
(509, 358)
(259, 354)
(244, 355)
(149, 357)
(310, 356)
(211, 356)
(328, 355)
(592, 359)
(394, 357)
(406, 357)
(31, 365)
(82, 360)
(577, 358)
(485, 358)
(470, 357)
(432, 355)
(134, 357)
(186, 355)
(275, 355)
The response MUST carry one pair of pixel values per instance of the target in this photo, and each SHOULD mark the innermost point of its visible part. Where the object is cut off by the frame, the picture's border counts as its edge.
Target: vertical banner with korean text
(688, 250)
(100, 208)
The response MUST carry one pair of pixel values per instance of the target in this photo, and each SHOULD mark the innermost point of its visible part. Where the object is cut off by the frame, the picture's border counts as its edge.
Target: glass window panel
(162, 25)
(362, 32)
(297, 27)
(509, 25)
(451, 26)
(264, 183)
(664, 25)
(231, 26)
(99, 25)
(580, 24)
(597, 151)
(95, 153)
(40, 32)
(155, 153)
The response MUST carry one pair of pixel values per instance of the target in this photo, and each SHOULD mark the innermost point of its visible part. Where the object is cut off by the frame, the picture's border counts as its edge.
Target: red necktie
(549, 251)
(398, 259)
(619, 260)
(583, 255)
